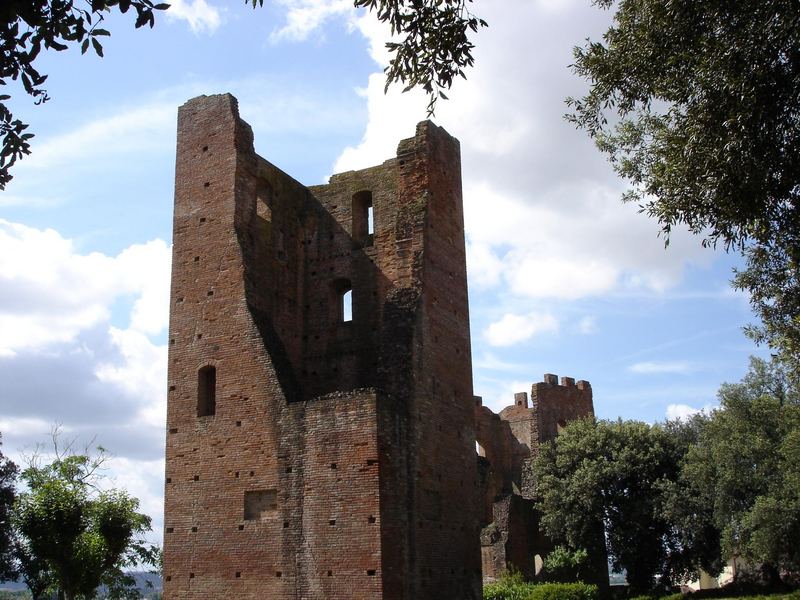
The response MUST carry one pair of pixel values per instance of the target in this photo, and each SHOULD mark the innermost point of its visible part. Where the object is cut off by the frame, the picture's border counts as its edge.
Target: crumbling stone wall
(507, 444)
(310, 456)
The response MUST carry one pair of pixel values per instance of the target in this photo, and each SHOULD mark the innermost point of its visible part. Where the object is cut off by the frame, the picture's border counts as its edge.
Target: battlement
(550, 379)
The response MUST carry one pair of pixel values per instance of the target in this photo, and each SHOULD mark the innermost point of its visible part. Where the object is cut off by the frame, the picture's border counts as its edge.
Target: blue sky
(563, 277)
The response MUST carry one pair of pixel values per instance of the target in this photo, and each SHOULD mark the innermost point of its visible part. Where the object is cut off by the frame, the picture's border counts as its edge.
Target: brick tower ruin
(508, 442)
(311, 454)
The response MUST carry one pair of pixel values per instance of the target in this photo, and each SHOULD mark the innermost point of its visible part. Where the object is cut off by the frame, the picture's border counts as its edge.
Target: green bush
(563, 591)
(563, 565)
(513, 587)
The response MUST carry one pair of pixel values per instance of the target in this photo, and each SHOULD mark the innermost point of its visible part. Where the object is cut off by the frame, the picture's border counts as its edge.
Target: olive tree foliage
(432, 47)
(744, 471)
(8, 476)
(72, 534)
(563, 565)
(683, 495)
(607, 476)
(697, 105)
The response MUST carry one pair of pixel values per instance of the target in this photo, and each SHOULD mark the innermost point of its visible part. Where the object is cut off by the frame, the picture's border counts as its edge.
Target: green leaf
(97, 47)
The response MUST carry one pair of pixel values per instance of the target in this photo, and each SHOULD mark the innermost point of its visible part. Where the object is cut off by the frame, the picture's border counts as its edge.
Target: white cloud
(142, 128)
(143, 372)
(201, 16)
(512, 329)
(542, 208)
(304, 17)
(684, 411)
(491, 362)
(676, 367)
(51, 292)
(61, 362)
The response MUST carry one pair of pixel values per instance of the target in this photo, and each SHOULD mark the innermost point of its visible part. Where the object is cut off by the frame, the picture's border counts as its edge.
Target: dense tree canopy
(611, 472)
(683, 495)
(73, 536)
(433, 47)
(697, 104)
(744, 467)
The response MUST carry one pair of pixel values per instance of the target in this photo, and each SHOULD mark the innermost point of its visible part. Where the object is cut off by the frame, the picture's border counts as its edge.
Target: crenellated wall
(508, 442)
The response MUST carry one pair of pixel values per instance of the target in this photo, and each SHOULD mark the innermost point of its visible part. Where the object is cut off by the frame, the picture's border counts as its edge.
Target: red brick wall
(351, 443)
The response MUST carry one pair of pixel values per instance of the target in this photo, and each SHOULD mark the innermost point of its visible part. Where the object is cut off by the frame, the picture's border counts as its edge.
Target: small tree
(8, 475)
(73, 536)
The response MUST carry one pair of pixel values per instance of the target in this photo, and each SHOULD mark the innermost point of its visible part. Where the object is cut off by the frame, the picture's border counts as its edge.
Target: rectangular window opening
(363, 219)
(207, 391)
(347, 306)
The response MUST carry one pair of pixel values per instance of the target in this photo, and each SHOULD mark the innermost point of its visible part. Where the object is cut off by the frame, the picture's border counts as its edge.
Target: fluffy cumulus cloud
(52, 292)
(542, 208)
(512, 329)
(64, 361)
(199, 14)
(304, 17)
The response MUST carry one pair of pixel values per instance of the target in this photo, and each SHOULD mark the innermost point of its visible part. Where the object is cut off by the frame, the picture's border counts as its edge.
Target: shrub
(514, 588)
(563, 591)
(510, 586)
(563, 565)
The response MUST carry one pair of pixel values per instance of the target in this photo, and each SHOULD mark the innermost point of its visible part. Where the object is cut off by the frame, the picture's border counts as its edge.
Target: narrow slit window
(363, 222)
(342, 298)
(206, 391)
(347, 306)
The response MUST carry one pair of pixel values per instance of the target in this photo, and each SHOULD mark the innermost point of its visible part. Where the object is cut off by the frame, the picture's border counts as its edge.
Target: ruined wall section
(511, 440)
(444, 441)
(495, 451)
(225, 449)
(310, 456)
(342, 255)
(265, 497)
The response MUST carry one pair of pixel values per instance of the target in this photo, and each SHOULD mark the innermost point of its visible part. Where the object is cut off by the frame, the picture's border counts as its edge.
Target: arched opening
(560, 426)
(207, 391)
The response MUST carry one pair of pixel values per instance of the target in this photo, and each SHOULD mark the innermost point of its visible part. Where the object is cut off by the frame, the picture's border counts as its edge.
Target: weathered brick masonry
(309, 456)
(508, 442)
